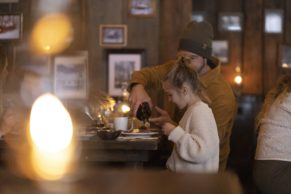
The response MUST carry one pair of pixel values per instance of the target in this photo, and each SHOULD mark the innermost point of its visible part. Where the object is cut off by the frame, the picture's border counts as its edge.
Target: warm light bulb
(238, 79)
(125, 108)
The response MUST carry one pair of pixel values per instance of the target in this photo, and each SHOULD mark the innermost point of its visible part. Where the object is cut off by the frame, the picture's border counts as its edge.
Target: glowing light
(52, 34)
(238, 79)
(237, 69)
(125, 108)
(51, 133)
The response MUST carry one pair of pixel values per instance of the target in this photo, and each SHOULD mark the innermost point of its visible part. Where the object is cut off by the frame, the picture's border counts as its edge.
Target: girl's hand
(167, 128)
(162, 119)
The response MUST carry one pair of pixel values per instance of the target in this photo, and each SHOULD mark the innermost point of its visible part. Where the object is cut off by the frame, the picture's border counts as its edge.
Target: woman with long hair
(272, 167)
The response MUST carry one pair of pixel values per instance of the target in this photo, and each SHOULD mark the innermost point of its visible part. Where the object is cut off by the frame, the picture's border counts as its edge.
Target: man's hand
(162, 119)
(137, 96)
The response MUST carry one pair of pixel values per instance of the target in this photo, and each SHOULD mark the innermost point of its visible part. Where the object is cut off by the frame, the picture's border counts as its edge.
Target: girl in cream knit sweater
(195, 138)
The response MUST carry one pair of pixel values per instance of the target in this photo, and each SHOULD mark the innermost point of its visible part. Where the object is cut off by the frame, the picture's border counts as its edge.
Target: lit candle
(51, 135)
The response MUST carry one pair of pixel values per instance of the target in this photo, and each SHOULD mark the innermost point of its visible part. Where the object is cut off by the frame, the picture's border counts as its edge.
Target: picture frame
(273, 21)
(285, 56)
(230, 21)
(198, 16)
(10, 26)
(71, 75)
(220, 49)
(9, 1)
(144, 8)
(113, 35)
(121, 64)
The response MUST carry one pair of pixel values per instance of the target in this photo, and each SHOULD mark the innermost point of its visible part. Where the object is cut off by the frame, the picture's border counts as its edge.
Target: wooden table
(133, 152)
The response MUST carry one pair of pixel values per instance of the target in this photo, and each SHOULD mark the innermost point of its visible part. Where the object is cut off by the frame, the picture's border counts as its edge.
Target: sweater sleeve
(200, 141)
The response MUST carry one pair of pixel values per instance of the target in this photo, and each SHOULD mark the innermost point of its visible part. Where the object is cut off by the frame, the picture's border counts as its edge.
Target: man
(196, 46)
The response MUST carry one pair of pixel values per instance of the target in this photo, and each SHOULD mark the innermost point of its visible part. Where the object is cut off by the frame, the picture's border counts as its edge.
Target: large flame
(51, 133)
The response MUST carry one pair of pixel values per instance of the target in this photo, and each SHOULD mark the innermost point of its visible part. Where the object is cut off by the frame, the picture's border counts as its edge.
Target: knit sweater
(275, 132)
(196, 142)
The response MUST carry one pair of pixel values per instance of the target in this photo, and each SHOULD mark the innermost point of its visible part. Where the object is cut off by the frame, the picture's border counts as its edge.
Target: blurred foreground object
(124, 182)
(52, 34)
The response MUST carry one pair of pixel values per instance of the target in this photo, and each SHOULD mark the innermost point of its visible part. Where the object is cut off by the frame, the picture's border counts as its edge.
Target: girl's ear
(185, 89)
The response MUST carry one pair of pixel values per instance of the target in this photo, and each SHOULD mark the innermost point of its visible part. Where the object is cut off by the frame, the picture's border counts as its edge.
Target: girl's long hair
(280, 91)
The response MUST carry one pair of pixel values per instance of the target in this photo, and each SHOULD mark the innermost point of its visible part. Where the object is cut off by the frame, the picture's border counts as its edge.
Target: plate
(150, 133)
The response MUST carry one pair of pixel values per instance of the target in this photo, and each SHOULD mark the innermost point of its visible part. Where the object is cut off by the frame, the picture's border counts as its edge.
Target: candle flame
(51, 133)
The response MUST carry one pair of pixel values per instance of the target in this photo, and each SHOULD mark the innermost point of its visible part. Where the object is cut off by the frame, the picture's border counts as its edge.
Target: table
(133, 152)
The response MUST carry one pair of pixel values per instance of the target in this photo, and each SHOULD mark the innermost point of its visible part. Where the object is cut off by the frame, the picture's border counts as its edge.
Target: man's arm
(149, 77)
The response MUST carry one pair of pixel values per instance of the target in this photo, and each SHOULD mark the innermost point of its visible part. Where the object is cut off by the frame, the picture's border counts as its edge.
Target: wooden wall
(257, 52)
(143, 33)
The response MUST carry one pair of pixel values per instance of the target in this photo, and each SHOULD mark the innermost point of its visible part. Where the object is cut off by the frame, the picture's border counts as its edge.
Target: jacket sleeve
(200, 141)
(150, 76)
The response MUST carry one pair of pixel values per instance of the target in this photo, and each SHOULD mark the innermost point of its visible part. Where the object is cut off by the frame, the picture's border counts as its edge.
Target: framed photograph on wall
(114, 35)
(121, 64)
(71, 75)
(220, 50)
(142, 7)
(285, 56)
(9, 1)
(230, 21)
(10, 26)
(198, 16)
(273, 21)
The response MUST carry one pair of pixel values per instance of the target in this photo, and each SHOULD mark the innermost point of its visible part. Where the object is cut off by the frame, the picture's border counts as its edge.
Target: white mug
(121, 123)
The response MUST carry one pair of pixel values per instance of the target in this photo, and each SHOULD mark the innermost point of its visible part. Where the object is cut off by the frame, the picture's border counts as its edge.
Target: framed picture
(10, 26)
(71, 75)
(198, 16)
(113, 35)
(230, 21)
(121, 64)
(8, 1)
(273, 21)
(220, 50)
(286, 56)
(142, 7)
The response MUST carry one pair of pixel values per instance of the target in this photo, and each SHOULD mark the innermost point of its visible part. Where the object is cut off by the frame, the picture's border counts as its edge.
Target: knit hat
(197, 38)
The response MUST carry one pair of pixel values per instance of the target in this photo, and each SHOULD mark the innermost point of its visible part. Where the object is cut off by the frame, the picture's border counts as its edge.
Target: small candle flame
(51, 133)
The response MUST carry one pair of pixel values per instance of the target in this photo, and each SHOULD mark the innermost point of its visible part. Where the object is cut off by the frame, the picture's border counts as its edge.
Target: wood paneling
(174, 17)
(271, 45)
(252, 47)
(143, 33)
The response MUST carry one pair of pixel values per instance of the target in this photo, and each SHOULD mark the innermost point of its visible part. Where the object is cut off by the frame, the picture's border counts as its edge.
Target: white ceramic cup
(121, 123)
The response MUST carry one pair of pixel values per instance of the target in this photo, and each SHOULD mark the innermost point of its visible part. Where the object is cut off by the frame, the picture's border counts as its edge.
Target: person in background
(25, 85)
(195, 45)
(195, 138)
(272, 166)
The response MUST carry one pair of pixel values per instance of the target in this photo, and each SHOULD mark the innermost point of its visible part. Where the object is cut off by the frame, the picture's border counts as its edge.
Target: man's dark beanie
(197, 38)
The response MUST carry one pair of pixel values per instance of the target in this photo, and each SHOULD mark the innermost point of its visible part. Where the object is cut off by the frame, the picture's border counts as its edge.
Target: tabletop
(134, 151)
